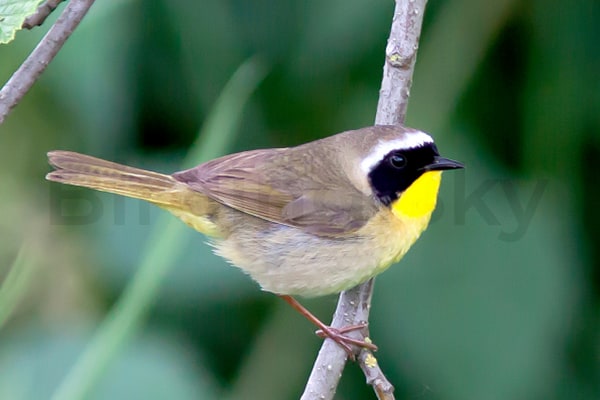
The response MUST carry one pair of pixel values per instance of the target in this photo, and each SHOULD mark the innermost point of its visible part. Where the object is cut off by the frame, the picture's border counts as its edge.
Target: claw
(337, 335)
(342, 330)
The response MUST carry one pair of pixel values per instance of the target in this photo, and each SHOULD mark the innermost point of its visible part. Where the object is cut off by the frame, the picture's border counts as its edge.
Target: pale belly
(286, 260)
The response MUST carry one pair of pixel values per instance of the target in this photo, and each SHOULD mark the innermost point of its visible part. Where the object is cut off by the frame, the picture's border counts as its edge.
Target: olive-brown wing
(282, 186)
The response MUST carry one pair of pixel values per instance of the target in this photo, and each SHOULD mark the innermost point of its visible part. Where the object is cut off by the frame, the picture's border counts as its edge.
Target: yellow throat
(420, 198)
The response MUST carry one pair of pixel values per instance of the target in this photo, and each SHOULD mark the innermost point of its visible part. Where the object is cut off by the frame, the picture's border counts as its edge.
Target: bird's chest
(392, 234)
(287, 260)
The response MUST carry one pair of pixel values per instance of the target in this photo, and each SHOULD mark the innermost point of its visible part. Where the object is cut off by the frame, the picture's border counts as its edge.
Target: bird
(309, 220)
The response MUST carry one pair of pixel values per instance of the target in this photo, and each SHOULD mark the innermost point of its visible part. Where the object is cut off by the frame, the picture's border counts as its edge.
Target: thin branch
(352, 309)
(354, 304)
(375, 377)
(22, 80)
(400, 57)
(42, 12)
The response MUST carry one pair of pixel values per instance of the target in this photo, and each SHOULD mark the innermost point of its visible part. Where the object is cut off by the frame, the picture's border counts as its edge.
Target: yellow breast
(394, 230)
(407, 218)
(420, 198)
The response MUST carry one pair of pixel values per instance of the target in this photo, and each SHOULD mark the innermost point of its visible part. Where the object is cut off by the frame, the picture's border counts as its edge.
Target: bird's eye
(398, 161)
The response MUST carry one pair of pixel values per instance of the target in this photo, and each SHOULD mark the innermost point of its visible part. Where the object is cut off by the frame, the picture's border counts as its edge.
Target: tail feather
(91, 172)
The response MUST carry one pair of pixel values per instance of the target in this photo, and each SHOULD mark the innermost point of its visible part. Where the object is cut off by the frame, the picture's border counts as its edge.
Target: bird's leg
(343, 330)
(325, 331)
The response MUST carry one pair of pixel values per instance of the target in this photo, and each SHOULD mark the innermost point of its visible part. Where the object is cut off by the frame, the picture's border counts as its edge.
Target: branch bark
(354, 305)
(43, 11)
(24, 77)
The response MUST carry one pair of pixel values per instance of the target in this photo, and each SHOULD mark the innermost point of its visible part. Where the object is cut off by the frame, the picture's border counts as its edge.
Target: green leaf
(12, 16)
(15, 285)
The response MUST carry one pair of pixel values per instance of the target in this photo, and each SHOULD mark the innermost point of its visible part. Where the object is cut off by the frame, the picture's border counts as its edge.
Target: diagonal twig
(375, 377)
(400, 58)
(42, 12)
(24, 77)
(354, 304)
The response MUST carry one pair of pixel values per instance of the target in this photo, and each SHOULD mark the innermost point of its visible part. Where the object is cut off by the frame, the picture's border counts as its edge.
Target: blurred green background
(500, 299)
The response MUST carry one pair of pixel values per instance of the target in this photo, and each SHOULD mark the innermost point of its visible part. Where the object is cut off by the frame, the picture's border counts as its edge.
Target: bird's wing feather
(284, 186)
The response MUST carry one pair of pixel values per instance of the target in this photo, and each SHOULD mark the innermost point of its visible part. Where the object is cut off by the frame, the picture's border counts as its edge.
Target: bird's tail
(82, 170)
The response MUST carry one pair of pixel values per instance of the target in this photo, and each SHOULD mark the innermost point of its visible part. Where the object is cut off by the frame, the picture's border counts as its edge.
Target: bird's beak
(441, 163)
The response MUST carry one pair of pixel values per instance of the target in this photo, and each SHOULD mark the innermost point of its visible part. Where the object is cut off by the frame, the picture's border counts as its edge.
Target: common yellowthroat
(309, 220)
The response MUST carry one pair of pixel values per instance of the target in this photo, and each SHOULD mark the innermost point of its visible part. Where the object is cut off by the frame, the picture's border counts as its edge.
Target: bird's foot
(346, 342)
(338, 335)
